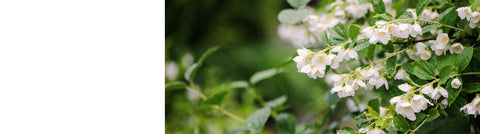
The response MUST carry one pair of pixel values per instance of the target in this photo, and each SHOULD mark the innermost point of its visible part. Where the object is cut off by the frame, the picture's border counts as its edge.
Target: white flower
(317, 71)
(321, 59)
(358, 83)
(383, 36)
(171, 70)
(456, 83)
(427, 90)
(436, 93)
(405, 87)
(301, 59)
(343, 91)
(375, 131)
(442, 40)
(405, 109)
(464, 12)
(475, 18)
(335, 61)
(456, 48)
(419, 103)
(422, 51)
(444, 104)
(350, 54)
(414, 14)
(403, 30)
(473, 107)
(415, 30)
(426, 55)
(395, 100)
(297, 35)
(401, 75)
(392, 29)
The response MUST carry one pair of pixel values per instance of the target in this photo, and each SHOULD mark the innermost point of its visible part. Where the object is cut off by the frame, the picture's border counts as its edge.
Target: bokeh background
(246, 31)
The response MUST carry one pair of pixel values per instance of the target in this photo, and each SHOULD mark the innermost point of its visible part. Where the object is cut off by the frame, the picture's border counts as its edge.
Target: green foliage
(192, 70)
(449, 17)
(292, 16)
(262, 75)
(445, 72)
(472, 88)
(346, 130)
(298, 3)
(424, 70)
(421, 6)
(257, 119)
(452, 92)
(285, 123)
(371, 52)
(338, 35)
(374, 104)
(401, 123)
(378, 7)
(324, 37)
(277, 102)
(238, 84)
(475, 4)
(432, 114)
(216, 99)
(353, 31)
(391, 64)
(175, 85)
(419, 119)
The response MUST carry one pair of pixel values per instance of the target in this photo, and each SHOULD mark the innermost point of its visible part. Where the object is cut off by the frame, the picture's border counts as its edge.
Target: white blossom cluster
(472, 16)
(371, 131)
(473, 107)
(428, 14)
(319, 23)
(346, 84)
(297, 35)
(409, 103)
(354, 8)
(383, 31)
(441, 45)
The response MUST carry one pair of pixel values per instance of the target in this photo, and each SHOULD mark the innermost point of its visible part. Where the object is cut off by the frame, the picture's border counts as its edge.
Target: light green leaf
(429, 28)
(420, 117)
(324, 37)
(424, 70)
(353, 31)
(371, 52)
(472, 88)
(475, 4)
(262, 75)
(292, 16)
(175, 85)
(206, 54)
(401, 123)
(191, 71)
(378, 7)
(391, 64)
(257, 119)
(298, 3)
(285, 123)
(238, 84)
(406, 15)
(277, 101)
(432, 114)
(338, 35)
(216, 99)
(238, 130)
(346, 130)
(452, 92)
(421, 6)
(445, 72)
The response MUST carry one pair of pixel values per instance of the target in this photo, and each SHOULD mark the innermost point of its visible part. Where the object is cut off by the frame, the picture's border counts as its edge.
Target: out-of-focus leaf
(277, 101)
(175, 85)
(292, 16)
(191, 71)
(324, 37)
(238, 84)
(257, 119)
(216, 99)
(379, 7)
(238, 130)
(206, 54)
(401, 123)
(298, 3)
(421, 6)
(285, 123)
(265, 74)
(420, 117)
(472, 88)
(346, 130)
(338, 35)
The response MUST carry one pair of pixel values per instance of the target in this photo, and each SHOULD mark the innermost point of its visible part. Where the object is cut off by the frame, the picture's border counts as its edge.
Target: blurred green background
(246, 31)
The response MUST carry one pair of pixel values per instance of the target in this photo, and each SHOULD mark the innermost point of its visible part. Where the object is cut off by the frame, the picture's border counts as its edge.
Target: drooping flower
(456, 48)
(405, 87)
(405, 108)
(301, 59)
(419, 103)
(401, 75)
(415, 30)
(464, 12)
(456, 83)
(473, 107)
(343, 91)
(435, 93)
(403, 31)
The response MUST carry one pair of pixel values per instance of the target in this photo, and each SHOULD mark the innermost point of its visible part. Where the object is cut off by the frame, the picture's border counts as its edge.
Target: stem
(343, 44)
(257, 97)
(423, 40)
(428, 21)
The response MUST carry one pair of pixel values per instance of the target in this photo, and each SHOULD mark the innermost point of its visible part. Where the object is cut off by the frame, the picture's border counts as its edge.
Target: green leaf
(331, 100)
(429, 28)
(452, 92)
(324, 37)
(454, 108)
(346, 130)
(406, 15)
(449, 17)
(445, 72)
(175, 85)
(378, 7)
(262, 75)
(237, 130)
(339, 34)
(353, 31)
(216, 99)
(475, 4)
(375, 105)
(371, 52)
(432, 114)
(401, 123)
(383, 16)
(298, 3)
(391, 64)
(277, 101)
(292, 16)
(421, 6)
(191, 71)
(408, 68)
(361, 121)
(285, 123)
(472, 88)
(257, 119)
(420, 117)
(424, 70)
(206, 54)
(389, 47)
(238, 84)
(463, 59)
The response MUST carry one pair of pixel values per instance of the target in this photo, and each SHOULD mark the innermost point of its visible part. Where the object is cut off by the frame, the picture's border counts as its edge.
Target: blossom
(321, 59)
(422, 51)
(475, 18)
(405, 87)
(456, 48)
(403, 31)
(444, 104)
(415, 30)
(301, 59)
(297, 35)
(401, 75)
(343, 91)
(350, 54)
(473, 107)
(435, 93)
(464, 12)
(405, 109)
(456, 83)
(419, 103)
(171, 70)
(442, 39)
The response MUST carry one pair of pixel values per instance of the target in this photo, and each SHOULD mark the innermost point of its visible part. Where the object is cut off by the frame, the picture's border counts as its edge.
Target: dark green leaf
(408, 68)
(375, 105)
(362, 121)
(216, 99)
(277, 101)
(406, 15)
(175, 85)
(338, 35)
(285, 123)
(298, 3)
(401, 123)
(353, 31)
(472, 88)
(463, 59)
(257, 119)
(445, 72)
(324, 37)
(378, 7)
(331, 100)
(454, 108)
(432, 114)
(450, 125)
(389, 47)
(346, 130)
(420, 117)
(191, 71)
(391, 64)
(429, 28)
(424, 70)
(292, 16)
(449, 16)
(371, 52)
(452, 92)
(206, 54)
(238, 84)
(262, 75)
(421, 6)
(383, 16)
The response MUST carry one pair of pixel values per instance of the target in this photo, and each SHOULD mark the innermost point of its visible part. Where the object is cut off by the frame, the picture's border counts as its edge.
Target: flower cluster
(409, 103)
(297, 35)
(428, 14)
(346, 84)
(319, 23)
(473, 107)
(383, 31)
(473, 17)
(441, 45)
